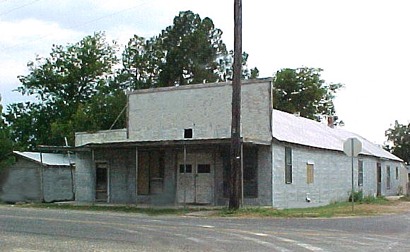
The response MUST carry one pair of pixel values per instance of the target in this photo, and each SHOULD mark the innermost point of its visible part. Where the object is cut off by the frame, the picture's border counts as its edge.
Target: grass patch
(405, 198)
(112, 208)
(374, 200)
(366, 207)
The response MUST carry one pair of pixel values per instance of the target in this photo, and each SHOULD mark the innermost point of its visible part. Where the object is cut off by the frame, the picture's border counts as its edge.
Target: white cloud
(363, 44)
(118, 5)
(25, 33)
(25, 39)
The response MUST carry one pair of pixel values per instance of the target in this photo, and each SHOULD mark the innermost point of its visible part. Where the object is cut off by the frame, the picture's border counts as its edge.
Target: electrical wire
(74, 26)
(17, 8)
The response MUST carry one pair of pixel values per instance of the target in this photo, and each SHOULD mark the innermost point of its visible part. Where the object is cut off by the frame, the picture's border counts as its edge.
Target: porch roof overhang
(164, 143)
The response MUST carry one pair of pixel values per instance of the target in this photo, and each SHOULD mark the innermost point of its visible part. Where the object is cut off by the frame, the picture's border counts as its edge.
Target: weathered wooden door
(186, 183)
(196, 179)
(101, 182)
(204, 178)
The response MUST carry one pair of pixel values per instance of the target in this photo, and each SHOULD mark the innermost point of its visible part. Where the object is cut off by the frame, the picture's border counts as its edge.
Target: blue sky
(362, 44)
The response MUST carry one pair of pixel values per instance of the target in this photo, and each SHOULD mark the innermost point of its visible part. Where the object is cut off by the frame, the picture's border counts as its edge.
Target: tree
(141, 61)
(77, 84)
(29, 124)
(189, 51)
(226, 68)
(399, 136)
(193, 47)
(6, 145)
(93, 115)
(303, 90)
(71, 76)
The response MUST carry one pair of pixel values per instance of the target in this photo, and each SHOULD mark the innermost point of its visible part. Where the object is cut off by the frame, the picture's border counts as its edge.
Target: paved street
(61, 230)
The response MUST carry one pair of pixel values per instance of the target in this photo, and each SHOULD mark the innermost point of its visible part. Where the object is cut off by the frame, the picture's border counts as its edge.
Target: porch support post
(136, 174)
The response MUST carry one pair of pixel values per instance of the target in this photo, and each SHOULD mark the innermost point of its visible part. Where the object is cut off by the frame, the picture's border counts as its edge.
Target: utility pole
(236, 157)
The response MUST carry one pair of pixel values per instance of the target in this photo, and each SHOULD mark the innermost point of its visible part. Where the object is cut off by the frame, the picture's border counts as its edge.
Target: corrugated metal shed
(49, 159)
(298, 130)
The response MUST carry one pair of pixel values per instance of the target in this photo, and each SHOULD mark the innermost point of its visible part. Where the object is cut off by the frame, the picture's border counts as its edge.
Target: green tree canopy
(189, 51)
(141, 61)
(71, 74)
(193, 47)
(6, 145)
(29, 124)
(63, 83)
(80, 87)
(399, 136)
(303, 90)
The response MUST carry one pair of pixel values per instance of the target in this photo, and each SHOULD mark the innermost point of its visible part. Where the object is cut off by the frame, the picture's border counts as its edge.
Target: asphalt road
(23, 229)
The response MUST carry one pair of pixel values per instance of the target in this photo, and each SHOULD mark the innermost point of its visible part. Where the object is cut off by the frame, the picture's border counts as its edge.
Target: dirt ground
(395, 206)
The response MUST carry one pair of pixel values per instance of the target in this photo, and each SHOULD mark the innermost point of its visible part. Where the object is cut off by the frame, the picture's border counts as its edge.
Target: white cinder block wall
(332, 176)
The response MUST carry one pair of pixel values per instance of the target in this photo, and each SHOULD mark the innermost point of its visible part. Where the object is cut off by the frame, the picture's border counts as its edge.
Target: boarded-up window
(388, 178)
(360, 173)
(143, 173)
(156, 165)
(310, 173)
(151, 167)
(288, 165)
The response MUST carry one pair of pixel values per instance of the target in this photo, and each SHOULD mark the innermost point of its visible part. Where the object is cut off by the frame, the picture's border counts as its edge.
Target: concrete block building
(175, 150)
(38, 177)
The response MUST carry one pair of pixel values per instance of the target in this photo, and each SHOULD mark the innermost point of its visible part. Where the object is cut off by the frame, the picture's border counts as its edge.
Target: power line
(110, 15)
(17, 8)
(75, 26)
(2, 1)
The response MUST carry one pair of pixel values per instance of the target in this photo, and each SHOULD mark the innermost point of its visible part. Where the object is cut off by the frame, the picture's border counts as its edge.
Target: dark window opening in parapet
(188, 133)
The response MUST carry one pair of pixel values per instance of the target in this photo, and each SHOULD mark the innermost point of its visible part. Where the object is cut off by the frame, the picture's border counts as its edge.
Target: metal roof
(49, 159)
(299, 130)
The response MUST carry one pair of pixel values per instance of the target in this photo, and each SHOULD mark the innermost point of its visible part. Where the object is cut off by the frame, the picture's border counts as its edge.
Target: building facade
(176, 150)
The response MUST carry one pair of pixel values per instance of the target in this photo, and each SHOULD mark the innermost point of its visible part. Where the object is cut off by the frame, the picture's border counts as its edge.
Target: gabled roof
(49, 159)
(298, 130)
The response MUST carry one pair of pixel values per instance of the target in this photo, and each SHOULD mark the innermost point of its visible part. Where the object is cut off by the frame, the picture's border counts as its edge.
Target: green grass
(366, 207)
(112, 208)
(314, 212)
(374, 200)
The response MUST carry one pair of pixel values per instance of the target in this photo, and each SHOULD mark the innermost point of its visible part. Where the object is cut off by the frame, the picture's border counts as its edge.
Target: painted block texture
(58, 184)
(121, 174)
(104, 136)
(21, 183)
(332, 177)
(84, 177)
(28, 181)
(163, 114)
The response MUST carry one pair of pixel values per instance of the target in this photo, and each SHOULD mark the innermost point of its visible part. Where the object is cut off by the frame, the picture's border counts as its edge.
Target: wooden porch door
(101, 182)
(196, 179)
